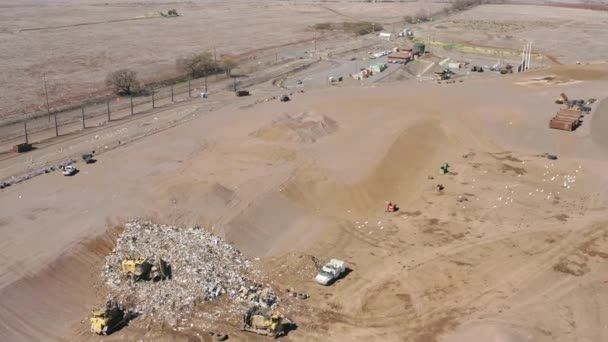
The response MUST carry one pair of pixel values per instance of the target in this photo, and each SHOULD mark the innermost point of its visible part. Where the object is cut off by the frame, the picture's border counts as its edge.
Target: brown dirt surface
(490, 256)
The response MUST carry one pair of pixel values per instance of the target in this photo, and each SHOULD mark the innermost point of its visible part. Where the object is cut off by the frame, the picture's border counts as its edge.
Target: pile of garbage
(202, 268)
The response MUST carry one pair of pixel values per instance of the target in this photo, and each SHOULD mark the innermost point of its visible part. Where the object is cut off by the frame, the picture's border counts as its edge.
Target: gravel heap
(203, 267)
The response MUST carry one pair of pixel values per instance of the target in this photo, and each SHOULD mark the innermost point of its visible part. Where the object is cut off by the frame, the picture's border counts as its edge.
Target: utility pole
(529, 55)
(83, 122)
(234, 78)
(56, 127)
(108, 105)
(189, 88)
(172, 94)
(46, 94)
(205, 83)
(131, 98)
(25, 130)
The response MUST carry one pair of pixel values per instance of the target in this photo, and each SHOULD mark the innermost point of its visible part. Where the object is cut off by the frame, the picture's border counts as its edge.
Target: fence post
(108, 104)
(206, 84)
(56, 127)
(25, 129)
(172, 94)
(152, 98)
(189, 88)
(131, 98)
(83, 123)
(234, 78)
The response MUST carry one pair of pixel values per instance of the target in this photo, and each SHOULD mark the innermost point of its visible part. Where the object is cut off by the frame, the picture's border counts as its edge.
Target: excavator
(262, 322)
(562, 99)
(146, 269)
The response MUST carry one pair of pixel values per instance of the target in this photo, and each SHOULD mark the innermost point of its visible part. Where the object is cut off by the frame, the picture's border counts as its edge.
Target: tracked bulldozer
(108, 319)
(146, 269)
(263, 322)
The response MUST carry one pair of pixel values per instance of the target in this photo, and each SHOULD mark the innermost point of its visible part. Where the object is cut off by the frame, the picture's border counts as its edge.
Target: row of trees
(125, 81)
(455, 6)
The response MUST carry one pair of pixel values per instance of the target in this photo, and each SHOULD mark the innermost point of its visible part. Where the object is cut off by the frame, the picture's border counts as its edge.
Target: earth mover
(264, 322)
(108, 319)
(146, 269)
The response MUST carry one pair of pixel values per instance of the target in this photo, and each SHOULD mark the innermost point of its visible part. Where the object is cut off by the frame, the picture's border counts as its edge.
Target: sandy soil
(506, 252)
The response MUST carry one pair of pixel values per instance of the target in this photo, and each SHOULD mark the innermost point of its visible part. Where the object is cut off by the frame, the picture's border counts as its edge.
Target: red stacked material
(566, 119)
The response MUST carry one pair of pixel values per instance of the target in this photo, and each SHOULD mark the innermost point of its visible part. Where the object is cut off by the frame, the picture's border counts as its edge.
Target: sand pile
(302, 128)
(202, 267)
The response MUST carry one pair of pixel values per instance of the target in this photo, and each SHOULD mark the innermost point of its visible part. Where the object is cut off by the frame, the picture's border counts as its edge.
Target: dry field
(75, 44)
(514, 247)
(566, 35)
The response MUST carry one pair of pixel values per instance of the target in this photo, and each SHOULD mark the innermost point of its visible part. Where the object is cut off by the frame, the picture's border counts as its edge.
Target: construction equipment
(284, 98)
(108, 319)
(562, 98)
(444, 75)
(88, 158)
(264, 322)
(330, 272)
(146, 269)
(241, 93)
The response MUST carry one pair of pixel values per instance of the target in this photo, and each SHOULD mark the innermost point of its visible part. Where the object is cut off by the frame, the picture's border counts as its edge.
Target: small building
(401, 57)
(385, 35)
(380, 67)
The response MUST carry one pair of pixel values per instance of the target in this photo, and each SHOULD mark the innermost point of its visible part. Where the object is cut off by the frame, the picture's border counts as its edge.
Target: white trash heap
(203, 267)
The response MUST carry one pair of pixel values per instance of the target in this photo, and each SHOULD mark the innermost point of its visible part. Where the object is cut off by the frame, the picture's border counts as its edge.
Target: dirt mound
(303, 128)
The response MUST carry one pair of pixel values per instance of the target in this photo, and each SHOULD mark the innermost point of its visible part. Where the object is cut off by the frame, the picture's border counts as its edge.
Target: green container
(419, 48)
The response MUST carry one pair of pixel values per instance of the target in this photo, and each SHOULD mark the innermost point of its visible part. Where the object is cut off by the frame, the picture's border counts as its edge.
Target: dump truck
(146, 269)
(264, 322)
(105, 321)
(330, 272)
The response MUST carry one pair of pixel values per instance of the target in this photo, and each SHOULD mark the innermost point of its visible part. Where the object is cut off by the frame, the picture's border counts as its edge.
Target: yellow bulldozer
(146, 269)
(263, 322)
(108, 319)
(562, 99)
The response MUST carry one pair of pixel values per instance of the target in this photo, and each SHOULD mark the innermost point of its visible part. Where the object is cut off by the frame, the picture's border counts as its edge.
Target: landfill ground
(513, 249)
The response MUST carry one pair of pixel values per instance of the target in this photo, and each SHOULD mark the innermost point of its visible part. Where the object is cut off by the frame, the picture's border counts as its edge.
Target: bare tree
(123, 81)
(228, 64)
(197, 64)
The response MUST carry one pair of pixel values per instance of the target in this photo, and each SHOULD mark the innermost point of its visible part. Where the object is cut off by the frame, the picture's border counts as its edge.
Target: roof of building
(400, 55)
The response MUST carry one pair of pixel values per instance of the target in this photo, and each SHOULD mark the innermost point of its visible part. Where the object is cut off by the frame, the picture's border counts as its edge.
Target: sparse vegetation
(124, 81)
(198, 64)
(358, 28)
(228, 64)
(362, 27)
(170, 13)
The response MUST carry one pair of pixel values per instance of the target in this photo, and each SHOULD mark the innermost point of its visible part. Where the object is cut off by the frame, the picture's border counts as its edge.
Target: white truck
(330, 272)
(70, 170)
